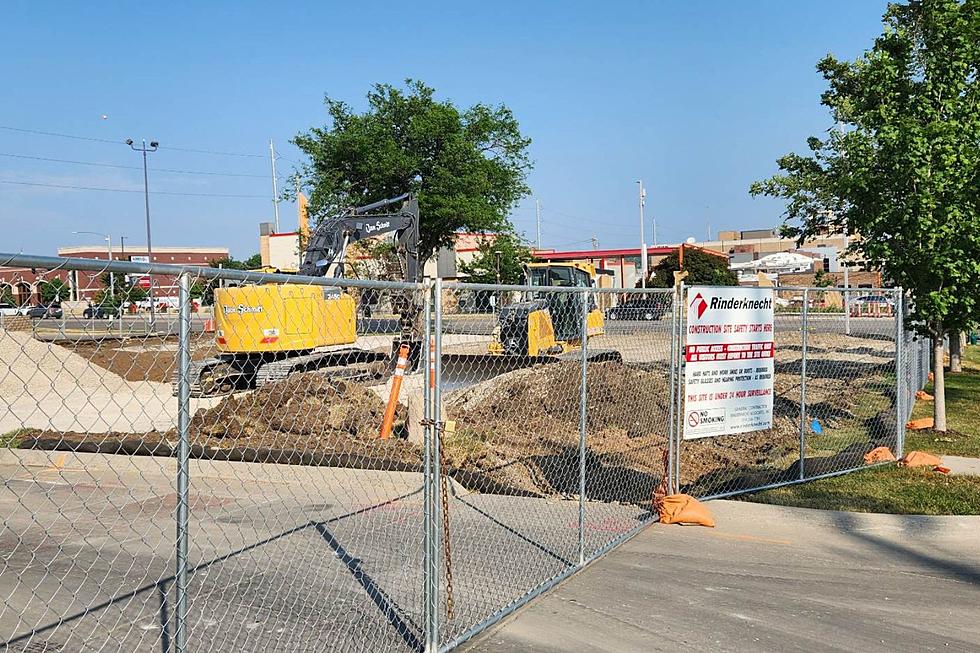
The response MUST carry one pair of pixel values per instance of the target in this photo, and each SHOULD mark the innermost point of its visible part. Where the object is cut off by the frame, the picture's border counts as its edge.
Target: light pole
(112, 275)
(643, 240)
(146, 198)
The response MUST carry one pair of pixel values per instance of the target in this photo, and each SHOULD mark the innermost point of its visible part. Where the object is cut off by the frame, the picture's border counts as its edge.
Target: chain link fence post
(183, 456)
(672, 451)
(679, 362)
(430, 562)
(436, 469)
(902, 389)
(804, 329)
(583, 407)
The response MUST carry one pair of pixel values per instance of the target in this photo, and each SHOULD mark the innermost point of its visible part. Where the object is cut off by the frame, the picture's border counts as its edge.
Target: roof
(660, 250)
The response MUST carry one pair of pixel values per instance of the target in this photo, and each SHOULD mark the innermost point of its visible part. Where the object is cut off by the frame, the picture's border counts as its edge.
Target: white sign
(139, 259)
(729, 352)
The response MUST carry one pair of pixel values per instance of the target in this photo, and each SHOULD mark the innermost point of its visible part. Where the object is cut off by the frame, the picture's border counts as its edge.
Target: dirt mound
(306, 413)
(521, 429)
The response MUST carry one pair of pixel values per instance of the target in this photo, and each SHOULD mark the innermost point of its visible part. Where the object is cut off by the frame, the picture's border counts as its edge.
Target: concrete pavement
(767, 578)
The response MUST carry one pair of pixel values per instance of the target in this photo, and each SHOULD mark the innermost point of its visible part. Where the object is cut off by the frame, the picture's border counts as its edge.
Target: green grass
(898, 490)
(886, 489)
(962, 413)
(12, 439)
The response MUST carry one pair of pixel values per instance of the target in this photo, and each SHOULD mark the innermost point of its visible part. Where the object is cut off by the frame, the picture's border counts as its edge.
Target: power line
(123, 167)
(126, 190)
(123, 142)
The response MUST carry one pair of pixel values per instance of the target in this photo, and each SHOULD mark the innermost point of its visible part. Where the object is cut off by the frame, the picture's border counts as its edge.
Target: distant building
(622, 266)
(754, 244)
(24, 284)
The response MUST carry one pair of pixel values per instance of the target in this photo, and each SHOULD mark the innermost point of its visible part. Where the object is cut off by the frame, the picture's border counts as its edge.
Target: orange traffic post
(396, 387)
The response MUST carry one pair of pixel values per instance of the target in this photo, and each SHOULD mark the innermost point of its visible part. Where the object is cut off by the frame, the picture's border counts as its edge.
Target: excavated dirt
(142, 359)
(521, 429)
(519, 432)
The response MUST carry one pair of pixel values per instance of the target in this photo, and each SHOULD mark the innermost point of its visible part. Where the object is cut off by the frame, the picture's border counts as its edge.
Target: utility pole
(537, 210)
(643, 243)
(595, 242)
(122, 247)
(275, 188)
(146, 199)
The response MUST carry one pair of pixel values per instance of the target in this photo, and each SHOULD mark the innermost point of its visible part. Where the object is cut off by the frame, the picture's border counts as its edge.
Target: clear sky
(696, 98)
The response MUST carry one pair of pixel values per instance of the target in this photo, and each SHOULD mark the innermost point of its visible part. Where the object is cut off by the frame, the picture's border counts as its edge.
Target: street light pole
(643, 241)
(146, 199)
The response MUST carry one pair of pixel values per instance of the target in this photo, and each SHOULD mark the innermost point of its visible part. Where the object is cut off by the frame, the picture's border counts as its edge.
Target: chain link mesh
(314, 516)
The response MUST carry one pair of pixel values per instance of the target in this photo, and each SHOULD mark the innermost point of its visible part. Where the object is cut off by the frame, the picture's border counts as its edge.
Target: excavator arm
(326, 250)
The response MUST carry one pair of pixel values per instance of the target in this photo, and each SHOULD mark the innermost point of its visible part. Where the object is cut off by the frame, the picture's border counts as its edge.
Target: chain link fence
(262, 462)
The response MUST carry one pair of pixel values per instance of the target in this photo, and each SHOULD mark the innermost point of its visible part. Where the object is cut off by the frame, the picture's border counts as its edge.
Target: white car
(9, 310)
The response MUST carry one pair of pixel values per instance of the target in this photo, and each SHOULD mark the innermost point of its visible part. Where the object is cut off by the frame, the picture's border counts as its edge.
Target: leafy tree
(514, 255)
(53, 291)
(231, 263)
(468, 167)
(121, 293)
(702, 269)
(6, 295)
(903, 171)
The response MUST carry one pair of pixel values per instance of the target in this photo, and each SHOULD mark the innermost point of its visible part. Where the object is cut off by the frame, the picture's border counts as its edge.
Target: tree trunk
(955, 352)
(939, 385)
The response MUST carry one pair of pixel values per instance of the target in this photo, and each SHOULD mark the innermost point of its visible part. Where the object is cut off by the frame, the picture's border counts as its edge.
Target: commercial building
(622, 265)
(754, 244)
(24, 284)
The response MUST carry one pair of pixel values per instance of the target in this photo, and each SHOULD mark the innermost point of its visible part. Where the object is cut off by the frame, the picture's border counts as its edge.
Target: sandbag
(922, 395)
(684, 509)
(920, 459)
(919, 424)
(878, 455)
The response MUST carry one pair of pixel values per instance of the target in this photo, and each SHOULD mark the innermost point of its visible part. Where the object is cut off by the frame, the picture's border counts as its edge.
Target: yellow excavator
(549, 324)
(266, 332)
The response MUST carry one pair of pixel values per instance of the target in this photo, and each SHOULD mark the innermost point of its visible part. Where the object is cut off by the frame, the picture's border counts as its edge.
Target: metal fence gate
(151, 502)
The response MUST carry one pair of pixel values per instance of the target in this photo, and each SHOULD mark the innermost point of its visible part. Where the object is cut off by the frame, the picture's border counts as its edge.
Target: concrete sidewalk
(768, 578)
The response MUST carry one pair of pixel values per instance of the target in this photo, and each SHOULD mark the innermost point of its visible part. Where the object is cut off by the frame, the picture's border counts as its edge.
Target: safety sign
(728, 352)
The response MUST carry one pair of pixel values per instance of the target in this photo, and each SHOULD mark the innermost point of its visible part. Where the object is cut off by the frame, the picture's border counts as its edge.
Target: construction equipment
(269, 331)
(549, 324)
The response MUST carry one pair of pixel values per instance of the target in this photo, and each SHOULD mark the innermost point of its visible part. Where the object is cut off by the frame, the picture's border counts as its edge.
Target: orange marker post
(396, 387)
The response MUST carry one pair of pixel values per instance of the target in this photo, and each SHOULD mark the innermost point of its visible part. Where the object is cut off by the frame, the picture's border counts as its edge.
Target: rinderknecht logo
(699, 305)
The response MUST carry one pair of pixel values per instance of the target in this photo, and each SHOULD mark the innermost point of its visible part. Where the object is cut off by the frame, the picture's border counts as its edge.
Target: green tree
(468, 167)
(253, 262)
(53, 291)
(6, 295)
(702, 269)
(903, 169)
(514, 255)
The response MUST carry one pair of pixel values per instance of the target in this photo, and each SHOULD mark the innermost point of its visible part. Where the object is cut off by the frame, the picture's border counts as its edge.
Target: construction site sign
(728, 351)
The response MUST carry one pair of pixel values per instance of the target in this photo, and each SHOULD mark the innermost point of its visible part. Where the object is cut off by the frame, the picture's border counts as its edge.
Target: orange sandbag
(878, 455)
(919, 424)
(684, 509)
(923, 395)
(920, 459)
(941, 469)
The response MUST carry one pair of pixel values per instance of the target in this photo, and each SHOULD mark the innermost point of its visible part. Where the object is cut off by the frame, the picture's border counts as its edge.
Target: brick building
(24, 284)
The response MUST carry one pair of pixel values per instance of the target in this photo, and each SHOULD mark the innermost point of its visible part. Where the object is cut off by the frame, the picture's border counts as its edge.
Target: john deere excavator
(549, 324)
(266, 332)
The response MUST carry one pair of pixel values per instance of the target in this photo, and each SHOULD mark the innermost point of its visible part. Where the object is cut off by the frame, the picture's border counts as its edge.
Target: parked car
(40, 311)
(640, 309)
(100, 312)
(9, 310)
(873, 299)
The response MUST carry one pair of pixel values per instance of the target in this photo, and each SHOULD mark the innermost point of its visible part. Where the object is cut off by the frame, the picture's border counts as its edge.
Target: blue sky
(696, 98)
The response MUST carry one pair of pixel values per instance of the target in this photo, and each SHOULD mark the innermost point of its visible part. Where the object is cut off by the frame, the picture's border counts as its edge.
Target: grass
(887, 489)
(12, 439)
(962, 413)
(898, 490)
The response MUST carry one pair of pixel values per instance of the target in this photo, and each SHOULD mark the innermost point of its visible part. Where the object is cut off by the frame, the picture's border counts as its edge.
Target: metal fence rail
(160, 494)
